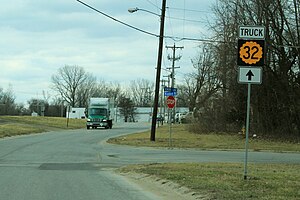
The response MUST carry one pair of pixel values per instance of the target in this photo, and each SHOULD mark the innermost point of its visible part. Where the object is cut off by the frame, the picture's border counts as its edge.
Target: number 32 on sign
(250, 52)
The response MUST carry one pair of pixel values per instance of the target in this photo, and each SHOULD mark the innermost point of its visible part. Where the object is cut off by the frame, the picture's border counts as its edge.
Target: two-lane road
(77, 164)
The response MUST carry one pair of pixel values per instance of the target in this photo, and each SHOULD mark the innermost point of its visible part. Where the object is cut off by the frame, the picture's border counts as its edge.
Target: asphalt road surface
(79, 164)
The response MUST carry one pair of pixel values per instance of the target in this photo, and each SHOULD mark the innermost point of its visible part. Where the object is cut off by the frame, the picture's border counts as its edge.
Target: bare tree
(40, 106)
(201, 85)
(108, 90)
(86, 90)
(70, 82)
(141, 91)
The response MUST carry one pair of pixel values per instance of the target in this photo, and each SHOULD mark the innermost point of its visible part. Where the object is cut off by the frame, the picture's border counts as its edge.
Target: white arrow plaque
(251, 75)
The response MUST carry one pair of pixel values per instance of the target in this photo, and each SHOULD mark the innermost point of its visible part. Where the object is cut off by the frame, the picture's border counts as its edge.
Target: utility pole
(168, 81)
(162, 100)
(158, 70)
(173, 58)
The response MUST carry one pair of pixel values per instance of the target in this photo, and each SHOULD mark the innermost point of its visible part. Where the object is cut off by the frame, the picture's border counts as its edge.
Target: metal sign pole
(170, 127)
(171, 102)
(247, 131)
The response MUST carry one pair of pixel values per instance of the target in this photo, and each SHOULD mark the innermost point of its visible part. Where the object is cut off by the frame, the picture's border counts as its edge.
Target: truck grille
(97, 120)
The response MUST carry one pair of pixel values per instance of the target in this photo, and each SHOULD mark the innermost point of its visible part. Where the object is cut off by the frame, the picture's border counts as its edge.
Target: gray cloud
(38, 37)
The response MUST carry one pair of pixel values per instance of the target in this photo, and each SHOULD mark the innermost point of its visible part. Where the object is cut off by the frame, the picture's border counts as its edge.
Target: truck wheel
(87, 127)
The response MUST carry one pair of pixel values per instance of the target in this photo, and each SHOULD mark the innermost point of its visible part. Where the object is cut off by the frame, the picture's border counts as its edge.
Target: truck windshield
(98, 111)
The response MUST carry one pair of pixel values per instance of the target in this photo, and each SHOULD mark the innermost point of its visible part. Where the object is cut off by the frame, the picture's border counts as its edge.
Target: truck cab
(98, 113)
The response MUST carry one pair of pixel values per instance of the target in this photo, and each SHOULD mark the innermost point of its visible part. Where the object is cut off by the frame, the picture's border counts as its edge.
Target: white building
(144, 114)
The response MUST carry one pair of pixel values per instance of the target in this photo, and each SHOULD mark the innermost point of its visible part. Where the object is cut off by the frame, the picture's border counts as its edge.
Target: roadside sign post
(247, 131)
(171, 104)
(251, 56)
(69, 108)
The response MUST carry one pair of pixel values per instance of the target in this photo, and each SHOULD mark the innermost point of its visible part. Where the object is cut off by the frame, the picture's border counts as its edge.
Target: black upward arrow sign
(249, 74)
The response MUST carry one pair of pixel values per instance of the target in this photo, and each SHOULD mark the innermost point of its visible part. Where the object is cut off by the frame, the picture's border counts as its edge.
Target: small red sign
(171, 102)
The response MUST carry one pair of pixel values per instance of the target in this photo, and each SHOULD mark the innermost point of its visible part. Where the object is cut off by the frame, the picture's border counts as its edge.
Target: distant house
(34, 114)
(143, 114)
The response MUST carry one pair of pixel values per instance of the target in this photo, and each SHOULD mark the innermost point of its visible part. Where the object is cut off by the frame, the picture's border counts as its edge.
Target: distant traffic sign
(168, 91)
(171, 102)
(170, 94)
(251, 53)
(250, 75)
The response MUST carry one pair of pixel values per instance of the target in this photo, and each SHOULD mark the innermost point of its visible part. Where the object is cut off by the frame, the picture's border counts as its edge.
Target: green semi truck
(99, 113)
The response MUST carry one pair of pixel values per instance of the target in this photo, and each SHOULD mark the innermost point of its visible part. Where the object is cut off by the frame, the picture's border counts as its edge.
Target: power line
(153, 4)
(190, 10)
(110, 17)
(171, 27)
(188, 20)
(183, 24)
(175, 38)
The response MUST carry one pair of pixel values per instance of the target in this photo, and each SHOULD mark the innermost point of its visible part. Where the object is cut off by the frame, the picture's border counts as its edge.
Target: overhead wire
(115, 19)
(174, 38)
(170, 13)
(153, 4)
(188, 20)
(183, 22)
(168, 16)
(189, 10)
(183, 25)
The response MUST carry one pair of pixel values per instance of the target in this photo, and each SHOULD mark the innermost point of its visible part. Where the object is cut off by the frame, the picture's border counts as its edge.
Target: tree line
(214, 94)
(75, 87)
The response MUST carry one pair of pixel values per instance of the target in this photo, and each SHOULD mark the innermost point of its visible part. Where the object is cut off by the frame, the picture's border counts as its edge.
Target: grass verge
(220, 180)
(225, 180)
(181, 138)
(20, 125)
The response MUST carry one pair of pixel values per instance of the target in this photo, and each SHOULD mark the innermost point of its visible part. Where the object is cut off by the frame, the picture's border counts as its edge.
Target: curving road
(78, 164)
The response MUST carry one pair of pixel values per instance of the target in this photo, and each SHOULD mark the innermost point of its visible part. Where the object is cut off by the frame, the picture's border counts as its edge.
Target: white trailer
(76, 113)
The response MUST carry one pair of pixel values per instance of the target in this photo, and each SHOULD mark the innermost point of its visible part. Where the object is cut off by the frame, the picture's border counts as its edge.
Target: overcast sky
(40, 36)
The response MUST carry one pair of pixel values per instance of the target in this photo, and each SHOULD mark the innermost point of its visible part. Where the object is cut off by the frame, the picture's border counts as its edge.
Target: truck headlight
(88, 120)
(104, 120)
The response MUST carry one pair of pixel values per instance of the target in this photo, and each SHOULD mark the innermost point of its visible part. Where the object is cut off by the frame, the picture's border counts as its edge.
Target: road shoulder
(163, 188)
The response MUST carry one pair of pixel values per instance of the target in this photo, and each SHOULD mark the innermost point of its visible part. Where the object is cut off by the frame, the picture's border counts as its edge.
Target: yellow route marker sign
(251, 53)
